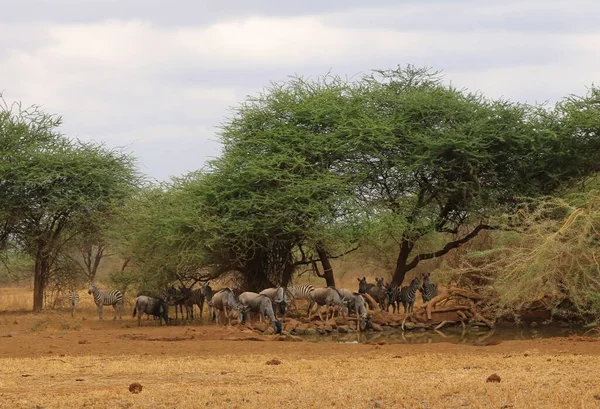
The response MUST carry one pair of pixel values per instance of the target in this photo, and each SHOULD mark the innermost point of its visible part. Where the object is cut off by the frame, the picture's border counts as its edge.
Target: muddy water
(455, 335)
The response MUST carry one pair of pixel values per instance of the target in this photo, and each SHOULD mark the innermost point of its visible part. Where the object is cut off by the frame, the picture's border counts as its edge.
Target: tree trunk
(327, 269)
(255, 276)
(402, 266)
(286, 277)
(40, 279)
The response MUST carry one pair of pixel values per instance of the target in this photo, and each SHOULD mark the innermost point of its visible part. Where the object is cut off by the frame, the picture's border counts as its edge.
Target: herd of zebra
(268, 303)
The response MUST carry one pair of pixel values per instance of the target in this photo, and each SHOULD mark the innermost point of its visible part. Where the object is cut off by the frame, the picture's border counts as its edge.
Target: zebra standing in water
(428, 290)
(408, 294)
(73, 301)
(109, 297)
(299, 292)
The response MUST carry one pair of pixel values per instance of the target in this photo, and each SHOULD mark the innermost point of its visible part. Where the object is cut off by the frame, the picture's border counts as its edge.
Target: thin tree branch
(449, 246)
(306, 262)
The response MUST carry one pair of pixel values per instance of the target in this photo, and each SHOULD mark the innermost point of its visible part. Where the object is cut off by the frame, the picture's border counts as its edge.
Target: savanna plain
(51, 360)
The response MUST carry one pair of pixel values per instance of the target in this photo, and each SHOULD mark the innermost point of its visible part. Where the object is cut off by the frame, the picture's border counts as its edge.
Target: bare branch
(311, 261)
(450, 246)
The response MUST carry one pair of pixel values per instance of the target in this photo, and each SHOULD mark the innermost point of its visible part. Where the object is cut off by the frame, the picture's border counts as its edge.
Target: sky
(159, 77)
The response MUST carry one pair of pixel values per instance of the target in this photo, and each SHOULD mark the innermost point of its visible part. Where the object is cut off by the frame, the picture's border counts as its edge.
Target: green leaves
(397, 156)
(55, 189)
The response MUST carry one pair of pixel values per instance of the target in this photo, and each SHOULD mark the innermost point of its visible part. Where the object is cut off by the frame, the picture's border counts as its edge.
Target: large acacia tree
(54, 187)
(437, 160)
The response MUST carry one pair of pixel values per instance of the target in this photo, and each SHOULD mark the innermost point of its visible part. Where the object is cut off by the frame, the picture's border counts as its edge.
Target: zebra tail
(134, 311)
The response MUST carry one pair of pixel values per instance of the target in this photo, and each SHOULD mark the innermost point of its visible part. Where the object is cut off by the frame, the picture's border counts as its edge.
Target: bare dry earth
(54, 361)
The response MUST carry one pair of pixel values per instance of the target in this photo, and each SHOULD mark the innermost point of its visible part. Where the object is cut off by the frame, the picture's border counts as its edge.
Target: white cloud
(166, 87)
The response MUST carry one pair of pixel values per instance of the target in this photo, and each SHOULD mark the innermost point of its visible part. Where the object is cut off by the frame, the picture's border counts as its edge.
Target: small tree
(54, 186)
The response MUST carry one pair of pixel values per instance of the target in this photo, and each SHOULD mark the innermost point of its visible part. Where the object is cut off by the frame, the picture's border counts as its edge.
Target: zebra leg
(99, 308)
(140, 318)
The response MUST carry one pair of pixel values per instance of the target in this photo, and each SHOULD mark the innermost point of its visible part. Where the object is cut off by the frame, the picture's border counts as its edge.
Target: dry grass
(245, 381)
(51, 360)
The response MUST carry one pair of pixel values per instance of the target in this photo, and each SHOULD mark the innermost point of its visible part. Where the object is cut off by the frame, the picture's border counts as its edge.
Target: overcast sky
(159, 76)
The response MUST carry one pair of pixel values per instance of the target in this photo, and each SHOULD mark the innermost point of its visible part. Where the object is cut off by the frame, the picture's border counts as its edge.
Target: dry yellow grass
(245, 381)
(51, 360)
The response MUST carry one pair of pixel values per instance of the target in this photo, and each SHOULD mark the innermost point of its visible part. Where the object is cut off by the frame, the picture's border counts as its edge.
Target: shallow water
(455, 335)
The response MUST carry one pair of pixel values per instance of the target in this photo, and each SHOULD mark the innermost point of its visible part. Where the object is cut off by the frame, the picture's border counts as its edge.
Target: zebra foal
(108, 297)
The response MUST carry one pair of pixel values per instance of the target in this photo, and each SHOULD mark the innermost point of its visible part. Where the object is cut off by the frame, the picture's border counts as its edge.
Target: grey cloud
(186, 12)
(164, 101)
(468, 16)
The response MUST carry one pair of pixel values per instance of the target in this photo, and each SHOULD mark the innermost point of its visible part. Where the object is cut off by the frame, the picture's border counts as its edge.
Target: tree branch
(450, 246)
(306, 262)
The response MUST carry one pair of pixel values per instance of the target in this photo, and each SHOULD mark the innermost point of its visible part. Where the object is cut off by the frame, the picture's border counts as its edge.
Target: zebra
(363, 286)
(73, 301)
(408, 294)
(393, 298)
(109, 297)
(428, 290)
(299, 292)
(195, 297)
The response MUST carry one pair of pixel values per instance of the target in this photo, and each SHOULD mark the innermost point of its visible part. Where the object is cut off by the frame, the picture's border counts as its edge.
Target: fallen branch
(429, 306)
(372, 303)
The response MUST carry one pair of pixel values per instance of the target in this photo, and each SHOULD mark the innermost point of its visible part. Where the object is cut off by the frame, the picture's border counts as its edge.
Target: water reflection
(456, 335)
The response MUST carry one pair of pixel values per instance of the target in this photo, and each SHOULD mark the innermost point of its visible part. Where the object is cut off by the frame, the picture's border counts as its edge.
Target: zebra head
(425, 279)
(91, 288)
(362, 285)
(379, 282)
(416, 282)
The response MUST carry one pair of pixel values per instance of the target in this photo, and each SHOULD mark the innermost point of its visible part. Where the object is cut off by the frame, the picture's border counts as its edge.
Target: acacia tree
(54, 186)
(274, 196)
(442, 161)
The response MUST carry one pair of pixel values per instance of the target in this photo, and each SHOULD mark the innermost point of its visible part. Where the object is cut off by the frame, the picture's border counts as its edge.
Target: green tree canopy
(53, 187)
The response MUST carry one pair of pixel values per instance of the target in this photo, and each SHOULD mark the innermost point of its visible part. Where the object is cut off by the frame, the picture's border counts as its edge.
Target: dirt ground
(51, 360)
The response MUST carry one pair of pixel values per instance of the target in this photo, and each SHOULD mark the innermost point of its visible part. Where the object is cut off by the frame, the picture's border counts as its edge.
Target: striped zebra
(73, 301)
(393, 298)
(408, 294)
(109, 297)
(428, 290)
(299, 292)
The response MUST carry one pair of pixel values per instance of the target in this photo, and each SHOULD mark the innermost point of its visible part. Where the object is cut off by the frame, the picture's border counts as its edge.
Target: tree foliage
(311, 169)
(54, 188)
